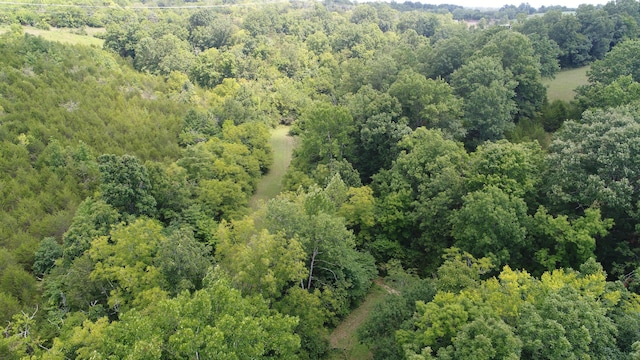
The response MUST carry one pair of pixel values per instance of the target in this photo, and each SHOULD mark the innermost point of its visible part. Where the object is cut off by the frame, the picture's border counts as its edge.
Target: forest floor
(344, 338)
(271, 184)
(563, 85)
(69, 36)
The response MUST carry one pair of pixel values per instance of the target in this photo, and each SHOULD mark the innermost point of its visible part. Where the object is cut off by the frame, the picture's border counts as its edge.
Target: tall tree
(377, 130)
(257, 261)
(164, 55)
(517, 55)
(619, 62)
(416, 196)
(517, 316)
(491, 223)
(326, 135)
(565, 31)
(488, 93)
(592, 164)
(546, 49)
(125, 185)
(598, 27)
(429, 103)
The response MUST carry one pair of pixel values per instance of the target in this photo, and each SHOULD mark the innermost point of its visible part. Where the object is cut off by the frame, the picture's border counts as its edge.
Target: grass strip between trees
(344, 338)
(271, 184)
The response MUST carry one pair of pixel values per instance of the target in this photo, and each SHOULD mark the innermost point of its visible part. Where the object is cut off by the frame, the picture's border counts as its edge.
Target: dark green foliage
(170, 188)
(622, 91)
(393, 313)
(198, 127)
(429, 103)
(565, 31)
(46, 255)
(378, 129)
(517, 55)
(555, 113)
(491, 223)
(598, 27)
(617, 63)
(489, 99)
(210, 30)
(92, 219)
(417, 195)
(125, 185)
(448, 55)
(308, 307)
(164, 55)
(627, 323)
(331, 259)
(122, 38)
(70, 17)
(183, 261)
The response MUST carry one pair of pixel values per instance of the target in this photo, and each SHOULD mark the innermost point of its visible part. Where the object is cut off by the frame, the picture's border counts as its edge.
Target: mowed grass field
(64, 35)
(271, 184)
(563, 85)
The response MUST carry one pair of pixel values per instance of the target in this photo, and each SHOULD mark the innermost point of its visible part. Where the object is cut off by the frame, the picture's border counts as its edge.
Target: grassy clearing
(344, 338)
(563, 85)
(64, 35)
(271, 184)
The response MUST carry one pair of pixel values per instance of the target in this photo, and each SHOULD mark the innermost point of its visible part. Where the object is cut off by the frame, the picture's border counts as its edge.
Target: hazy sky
(500, 3)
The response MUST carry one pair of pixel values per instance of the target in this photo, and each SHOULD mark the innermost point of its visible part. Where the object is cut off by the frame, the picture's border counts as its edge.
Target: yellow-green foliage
(573, 310)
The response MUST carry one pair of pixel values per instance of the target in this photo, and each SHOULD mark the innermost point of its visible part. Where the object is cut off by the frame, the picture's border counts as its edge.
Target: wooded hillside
(427, 153)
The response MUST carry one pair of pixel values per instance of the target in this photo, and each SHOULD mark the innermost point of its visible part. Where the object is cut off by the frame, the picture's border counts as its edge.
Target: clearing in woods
(69, 36)
(271, 184)
(563, 85)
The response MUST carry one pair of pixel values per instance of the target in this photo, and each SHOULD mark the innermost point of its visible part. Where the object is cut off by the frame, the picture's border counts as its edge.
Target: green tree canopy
(488, 93)
(619, 62)
(215, 322)
(125, 184)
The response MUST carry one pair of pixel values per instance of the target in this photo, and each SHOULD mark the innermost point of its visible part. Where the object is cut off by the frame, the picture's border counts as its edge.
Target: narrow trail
(271, 184)
(344, 339)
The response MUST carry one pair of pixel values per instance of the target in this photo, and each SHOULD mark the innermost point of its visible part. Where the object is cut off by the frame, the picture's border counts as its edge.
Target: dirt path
(271, 184)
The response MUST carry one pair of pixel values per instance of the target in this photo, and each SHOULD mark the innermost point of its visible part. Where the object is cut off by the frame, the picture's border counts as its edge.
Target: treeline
(428, 153)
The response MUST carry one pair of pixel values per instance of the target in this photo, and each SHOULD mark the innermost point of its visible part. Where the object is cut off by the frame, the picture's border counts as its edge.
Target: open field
(63, 35)
(271, 184)
(562, 86)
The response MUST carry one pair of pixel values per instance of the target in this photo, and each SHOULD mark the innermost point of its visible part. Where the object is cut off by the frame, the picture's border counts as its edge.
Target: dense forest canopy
(504, 224)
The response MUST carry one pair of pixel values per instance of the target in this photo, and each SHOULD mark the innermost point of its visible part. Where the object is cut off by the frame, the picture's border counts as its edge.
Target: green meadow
(63, 35)
(563, 85)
